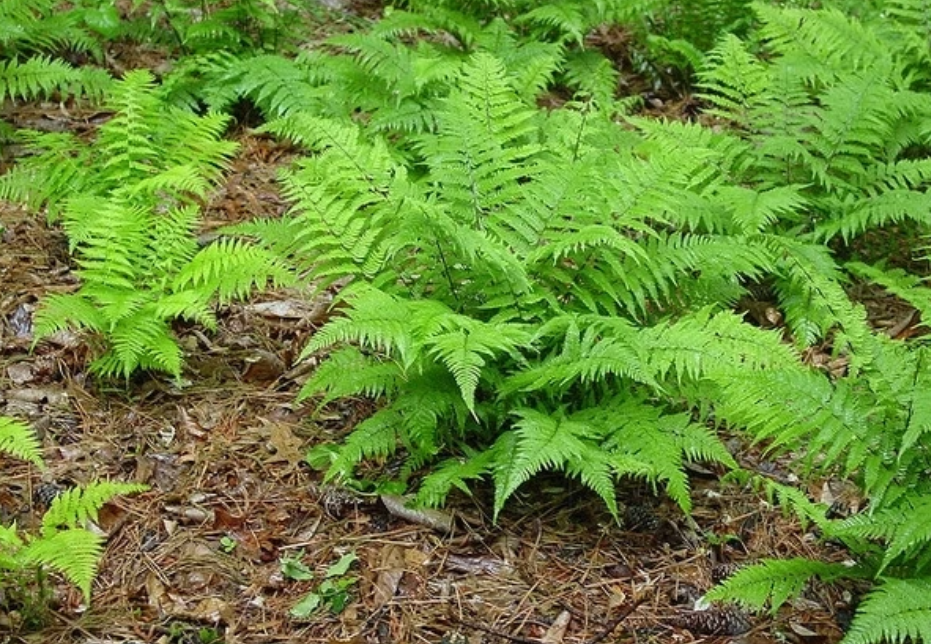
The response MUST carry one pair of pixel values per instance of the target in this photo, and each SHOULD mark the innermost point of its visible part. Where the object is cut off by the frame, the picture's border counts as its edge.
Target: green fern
(496, 237)
(18, 439)
(898, 610)
(63, 543)
(42, 76)
(132, 222)
(73, 553)
(33, 33)
(770, 583)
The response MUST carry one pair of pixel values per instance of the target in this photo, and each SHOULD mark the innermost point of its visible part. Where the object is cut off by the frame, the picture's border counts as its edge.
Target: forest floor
(233, 511)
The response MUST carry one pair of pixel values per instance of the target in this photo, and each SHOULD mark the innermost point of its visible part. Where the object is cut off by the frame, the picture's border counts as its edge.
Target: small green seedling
(333, 591)
(228, 544)
(295, 569)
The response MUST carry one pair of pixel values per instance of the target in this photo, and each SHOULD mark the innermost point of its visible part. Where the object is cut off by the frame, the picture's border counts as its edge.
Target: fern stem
(448, 274)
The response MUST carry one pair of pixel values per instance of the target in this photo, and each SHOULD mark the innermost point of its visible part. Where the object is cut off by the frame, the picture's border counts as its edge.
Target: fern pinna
(131, 222)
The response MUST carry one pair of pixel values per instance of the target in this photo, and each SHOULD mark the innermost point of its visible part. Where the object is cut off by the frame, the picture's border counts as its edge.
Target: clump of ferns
(129, 204)
(37, 42)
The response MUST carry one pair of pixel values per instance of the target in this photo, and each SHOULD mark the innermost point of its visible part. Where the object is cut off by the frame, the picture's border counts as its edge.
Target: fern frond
(812, 298)
(453, 473)
(464, 345)
(55, 171)
(74, 553)
(347, 372)
(772, 582)
(543, 441)
(78, 505)
(19, 440)
(898, 282)
(904, 527)
(41, 76)
(59, 312)
(230, 269)
(897, 610)
(484, 145)
(378, 321)
(279, 86)
(820, 43)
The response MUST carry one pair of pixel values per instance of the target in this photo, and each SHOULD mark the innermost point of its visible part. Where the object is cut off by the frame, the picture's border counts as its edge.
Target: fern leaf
(347, 372)
(898, 610)
(376, 320)
(772, 582)
(18, 439)
(231, 269)
(904, 527)
(462, 349)
(74, 553)
(35, 77)
(453, 473)
(74, 507)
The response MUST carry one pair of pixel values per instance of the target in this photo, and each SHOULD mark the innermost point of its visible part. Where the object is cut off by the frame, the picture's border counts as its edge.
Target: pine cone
(721, 571)
(45, 493)
(641, 518)
(714, 621)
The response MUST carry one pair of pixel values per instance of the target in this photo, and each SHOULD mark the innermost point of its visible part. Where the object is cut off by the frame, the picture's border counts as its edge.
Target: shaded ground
(200, 555)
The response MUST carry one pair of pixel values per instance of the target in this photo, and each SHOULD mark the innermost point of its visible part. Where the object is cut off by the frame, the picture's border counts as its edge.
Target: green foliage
(513, 301)
(536, 291)
(898, 610)
(771, 583)
(817, 113)
(526, 291)
(196, 27)
(331, 593)
(63, 544)
(34, 34)
(34, 26)
(17, 439)
(131, 222)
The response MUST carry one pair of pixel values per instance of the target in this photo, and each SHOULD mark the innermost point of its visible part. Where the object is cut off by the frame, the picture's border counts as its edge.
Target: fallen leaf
(285, 445)
(390, 572)
(433, 519)
(20, 373)
(557, 631)
(212, 610)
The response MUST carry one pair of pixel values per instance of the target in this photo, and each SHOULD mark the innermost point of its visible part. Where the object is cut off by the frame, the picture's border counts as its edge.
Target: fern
(902, 527)
(131, 224)
(774, 581)
(898, 282)
(42, 76)
(898, 610)
(818, 115)
(496, 237)
(73, 553)
(33, 33)
(63, 544)
(17, 439)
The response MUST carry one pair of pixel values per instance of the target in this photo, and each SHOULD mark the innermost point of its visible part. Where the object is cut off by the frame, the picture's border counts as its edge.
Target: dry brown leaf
(557, 631)
(433, 519)
(212, 610)
(286, 446)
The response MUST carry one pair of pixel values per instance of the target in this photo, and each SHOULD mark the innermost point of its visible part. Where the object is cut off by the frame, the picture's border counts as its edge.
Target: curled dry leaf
(391, 569)
(433, 519)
